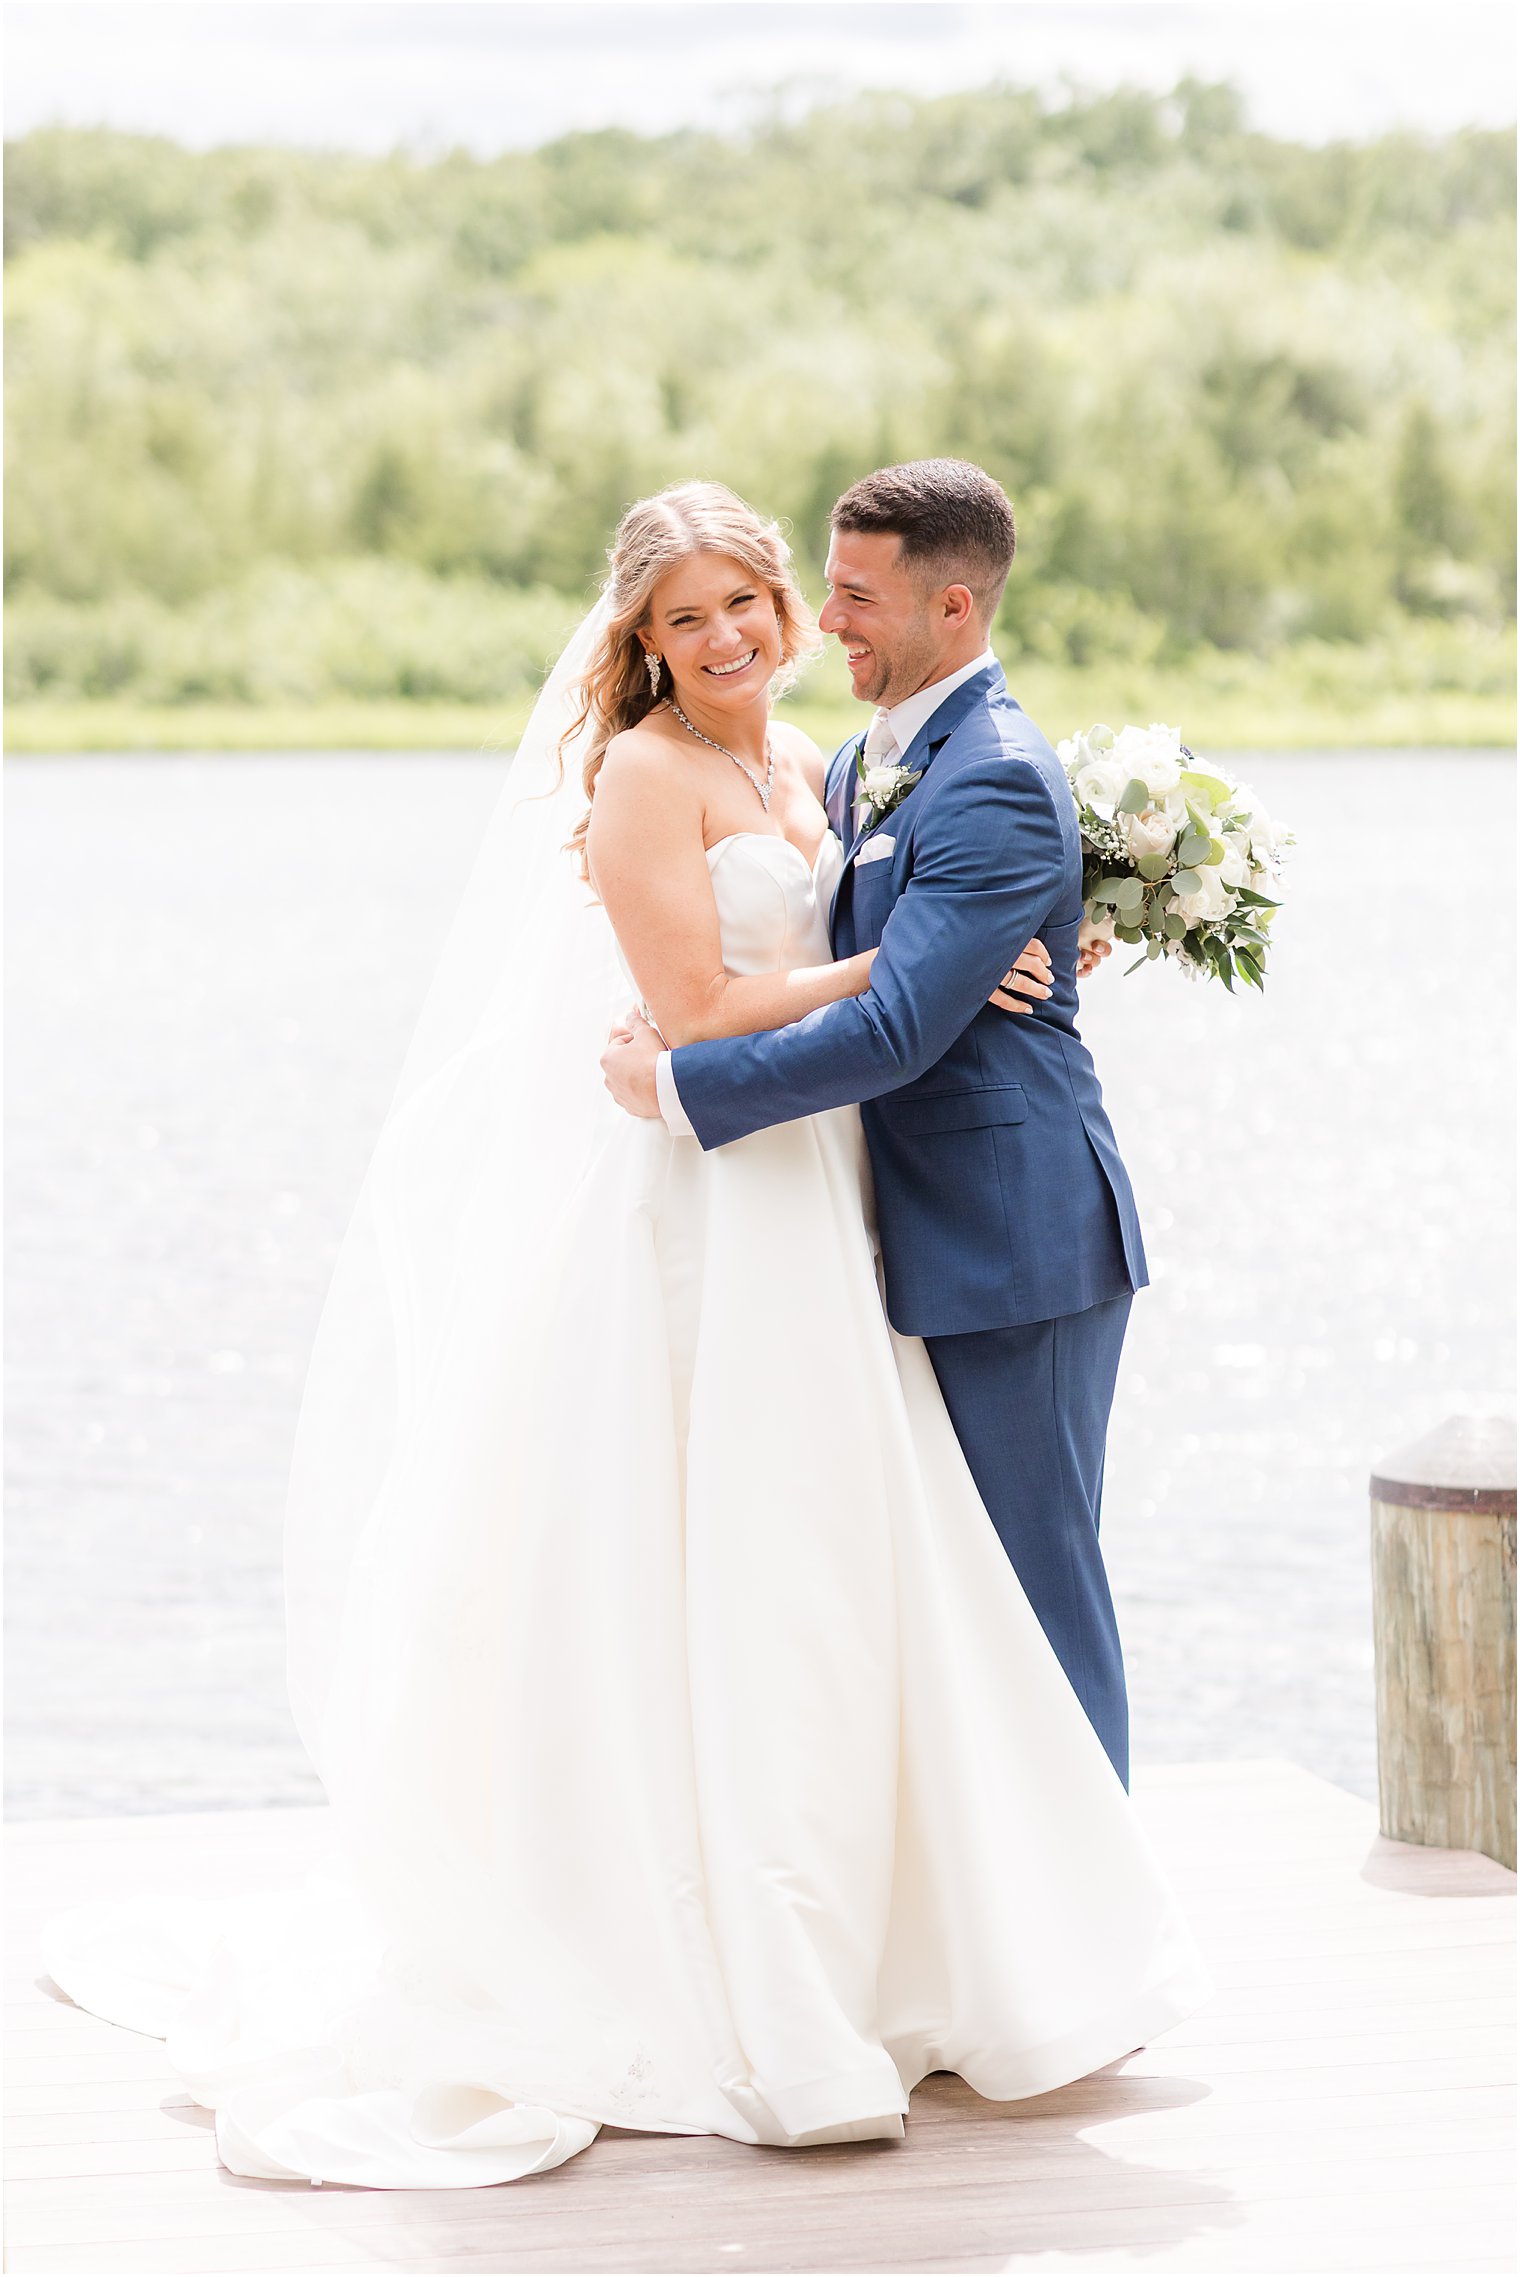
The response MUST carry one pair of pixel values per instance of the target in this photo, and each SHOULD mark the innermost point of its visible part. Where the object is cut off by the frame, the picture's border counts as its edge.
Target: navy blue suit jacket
(1000, 1194)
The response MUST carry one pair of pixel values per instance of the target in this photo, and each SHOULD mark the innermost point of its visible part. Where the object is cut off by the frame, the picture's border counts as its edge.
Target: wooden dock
(1346, 2103)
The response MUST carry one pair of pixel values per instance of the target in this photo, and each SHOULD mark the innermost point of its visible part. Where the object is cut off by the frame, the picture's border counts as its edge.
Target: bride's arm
(649, 867)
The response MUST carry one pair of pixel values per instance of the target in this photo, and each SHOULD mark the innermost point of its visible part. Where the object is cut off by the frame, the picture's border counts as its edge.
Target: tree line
(287, 424)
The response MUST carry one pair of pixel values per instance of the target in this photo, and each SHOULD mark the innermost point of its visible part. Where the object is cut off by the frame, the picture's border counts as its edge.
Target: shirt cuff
(677, 1121)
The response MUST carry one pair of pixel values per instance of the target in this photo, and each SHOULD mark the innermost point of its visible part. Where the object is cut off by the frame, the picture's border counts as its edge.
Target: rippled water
(213, 968)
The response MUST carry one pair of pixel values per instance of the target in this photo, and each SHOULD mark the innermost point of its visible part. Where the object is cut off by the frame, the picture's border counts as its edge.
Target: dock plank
(1344, 2104)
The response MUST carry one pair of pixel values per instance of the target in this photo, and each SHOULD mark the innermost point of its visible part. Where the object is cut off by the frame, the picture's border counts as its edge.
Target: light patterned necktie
(881, 750)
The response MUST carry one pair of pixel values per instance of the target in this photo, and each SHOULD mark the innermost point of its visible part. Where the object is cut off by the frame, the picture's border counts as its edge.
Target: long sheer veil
(498, 1113)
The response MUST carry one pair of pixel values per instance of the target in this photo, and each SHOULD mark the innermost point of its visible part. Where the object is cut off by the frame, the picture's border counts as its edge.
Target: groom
(1008, 1230)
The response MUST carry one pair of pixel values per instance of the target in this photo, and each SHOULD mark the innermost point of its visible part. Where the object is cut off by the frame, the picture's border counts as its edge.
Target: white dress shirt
(902, 722)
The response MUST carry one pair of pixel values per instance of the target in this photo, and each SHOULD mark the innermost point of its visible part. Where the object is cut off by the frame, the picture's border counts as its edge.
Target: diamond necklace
(763, 789)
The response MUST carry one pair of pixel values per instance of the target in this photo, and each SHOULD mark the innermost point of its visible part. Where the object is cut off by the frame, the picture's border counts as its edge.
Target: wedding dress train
(703, 1768)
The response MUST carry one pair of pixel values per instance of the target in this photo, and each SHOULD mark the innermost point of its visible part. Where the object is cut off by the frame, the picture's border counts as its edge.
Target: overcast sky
(489, 75)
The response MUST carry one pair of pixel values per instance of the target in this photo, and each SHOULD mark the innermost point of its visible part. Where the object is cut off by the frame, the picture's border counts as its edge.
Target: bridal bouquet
(1176, 858)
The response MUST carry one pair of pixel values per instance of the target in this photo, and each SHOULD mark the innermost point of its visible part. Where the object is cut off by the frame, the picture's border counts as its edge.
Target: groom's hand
(628, 1070)
(1028, 976)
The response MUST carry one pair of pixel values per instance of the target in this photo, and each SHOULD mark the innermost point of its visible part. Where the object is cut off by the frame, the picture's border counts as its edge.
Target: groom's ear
(959, 605)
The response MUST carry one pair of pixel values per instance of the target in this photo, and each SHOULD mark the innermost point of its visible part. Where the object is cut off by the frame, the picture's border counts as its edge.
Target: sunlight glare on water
(214, 967)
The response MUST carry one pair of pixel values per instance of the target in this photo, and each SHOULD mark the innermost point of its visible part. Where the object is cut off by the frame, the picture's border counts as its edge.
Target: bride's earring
(652, 667)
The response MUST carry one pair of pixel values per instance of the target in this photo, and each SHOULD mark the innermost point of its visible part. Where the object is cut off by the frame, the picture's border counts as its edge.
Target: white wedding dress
(704, 1769)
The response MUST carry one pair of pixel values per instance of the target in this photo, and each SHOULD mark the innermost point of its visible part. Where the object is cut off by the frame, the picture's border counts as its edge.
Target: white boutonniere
(883, 788)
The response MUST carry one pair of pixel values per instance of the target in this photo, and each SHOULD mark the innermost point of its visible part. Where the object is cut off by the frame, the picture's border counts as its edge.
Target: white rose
(879, 783)
(1154, 832)
(1100, 783)
(1264, 842)
(1081, 750)
(1153, 755)
(1235, 869)
(1261, 832)
(1095, 776)
(1212, 900)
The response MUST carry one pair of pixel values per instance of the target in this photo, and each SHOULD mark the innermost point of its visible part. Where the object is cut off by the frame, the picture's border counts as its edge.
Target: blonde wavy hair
(686, 518)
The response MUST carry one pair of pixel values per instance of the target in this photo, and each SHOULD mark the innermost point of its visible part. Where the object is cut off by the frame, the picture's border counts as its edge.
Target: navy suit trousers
(1030, 1408)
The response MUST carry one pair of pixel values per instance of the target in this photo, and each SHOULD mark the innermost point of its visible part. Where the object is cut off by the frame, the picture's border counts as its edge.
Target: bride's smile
(722, 643)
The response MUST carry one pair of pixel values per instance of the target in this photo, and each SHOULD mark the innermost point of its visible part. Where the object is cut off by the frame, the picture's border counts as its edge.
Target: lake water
(214, 964)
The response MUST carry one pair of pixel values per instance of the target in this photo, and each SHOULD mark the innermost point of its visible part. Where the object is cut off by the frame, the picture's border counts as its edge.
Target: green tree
(1241, 391)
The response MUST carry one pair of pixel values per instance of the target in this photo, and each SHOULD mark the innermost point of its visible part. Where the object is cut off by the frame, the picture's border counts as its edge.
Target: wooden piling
(1443, 1608)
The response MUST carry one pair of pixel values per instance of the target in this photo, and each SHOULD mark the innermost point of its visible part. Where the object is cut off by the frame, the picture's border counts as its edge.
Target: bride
(695, 1761)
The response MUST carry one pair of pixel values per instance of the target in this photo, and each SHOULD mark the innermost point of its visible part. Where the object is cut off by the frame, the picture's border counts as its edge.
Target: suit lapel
(926, 745)
(839, 788)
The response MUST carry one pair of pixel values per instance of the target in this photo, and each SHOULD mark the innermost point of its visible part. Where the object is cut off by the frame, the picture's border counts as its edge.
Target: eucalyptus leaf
(1186, 881)
(1129, 894)
(1136, 797)
(1175, 924)
(1129, 934)
(1153, 867)
(1192, 849)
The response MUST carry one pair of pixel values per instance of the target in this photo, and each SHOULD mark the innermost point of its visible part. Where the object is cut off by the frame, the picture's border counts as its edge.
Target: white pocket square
(874, 850)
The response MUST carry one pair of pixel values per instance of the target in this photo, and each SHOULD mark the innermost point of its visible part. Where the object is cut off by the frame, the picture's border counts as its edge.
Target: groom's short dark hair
(955, 523)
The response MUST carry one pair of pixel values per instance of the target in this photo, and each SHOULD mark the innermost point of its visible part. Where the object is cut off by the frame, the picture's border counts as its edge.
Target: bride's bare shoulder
(643, 785)
(639, 750)
(803, 752)
(643, 761)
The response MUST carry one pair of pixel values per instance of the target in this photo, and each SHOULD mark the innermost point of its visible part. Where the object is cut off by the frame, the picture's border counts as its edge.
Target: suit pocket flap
(955, 1110)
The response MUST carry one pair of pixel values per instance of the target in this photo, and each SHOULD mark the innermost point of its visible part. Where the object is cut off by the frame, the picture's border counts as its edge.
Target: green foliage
(288, 427)
(371, 629)
(1427, 684)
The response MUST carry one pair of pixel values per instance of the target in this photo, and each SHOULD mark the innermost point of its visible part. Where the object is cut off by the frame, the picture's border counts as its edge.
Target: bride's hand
(628, 1066)
(621, 1031)
(1094, 943)
(1028, 976)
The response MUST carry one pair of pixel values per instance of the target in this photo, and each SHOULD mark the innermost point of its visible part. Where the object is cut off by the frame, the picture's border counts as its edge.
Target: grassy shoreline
(1061, 702)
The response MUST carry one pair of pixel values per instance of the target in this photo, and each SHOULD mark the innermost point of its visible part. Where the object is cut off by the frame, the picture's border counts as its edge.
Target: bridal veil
(498, 1112)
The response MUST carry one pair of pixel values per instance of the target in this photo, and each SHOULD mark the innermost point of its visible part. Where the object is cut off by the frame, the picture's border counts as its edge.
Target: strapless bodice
(773, 908)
